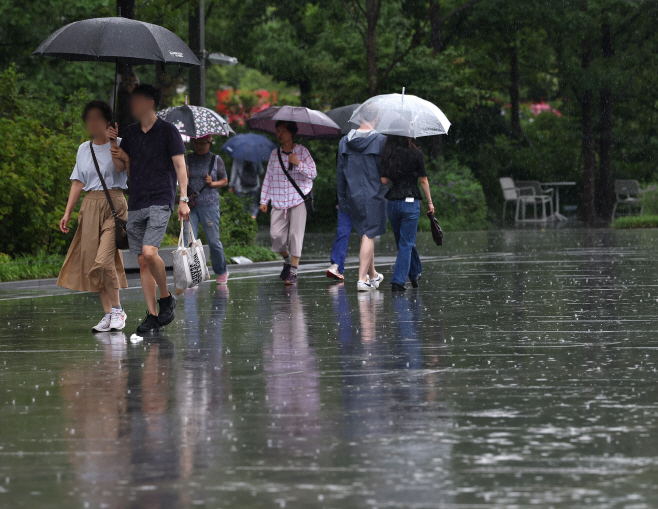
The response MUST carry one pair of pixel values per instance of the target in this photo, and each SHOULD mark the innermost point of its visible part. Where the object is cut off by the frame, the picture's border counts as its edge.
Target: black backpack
(249, 174)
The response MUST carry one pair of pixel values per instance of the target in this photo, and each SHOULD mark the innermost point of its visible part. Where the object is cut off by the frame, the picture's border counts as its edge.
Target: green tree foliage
(481, 61)
(39, 146)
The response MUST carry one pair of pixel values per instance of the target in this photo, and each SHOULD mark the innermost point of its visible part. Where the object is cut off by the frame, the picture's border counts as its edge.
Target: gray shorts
(147, 227)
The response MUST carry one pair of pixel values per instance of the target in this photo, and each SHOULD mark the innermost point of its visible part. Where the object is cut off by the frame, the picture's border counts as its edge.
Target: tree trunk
(604, 191)
(589, 159)
(372, 18)
(436, 26)
(197, 39)
(514, 91)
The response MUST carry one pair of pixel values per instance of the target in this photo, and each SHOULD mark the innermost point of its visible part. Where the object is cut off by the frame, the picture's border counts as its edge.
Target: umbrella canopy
(196, 121)
(405, 115)
(311, 123)
(119, 40)
(342, 117)
(249, 147)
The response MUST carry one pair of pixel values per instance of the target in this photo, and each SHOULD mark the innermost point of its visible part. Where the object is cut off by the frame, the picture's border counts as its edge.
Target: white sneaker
(334, 273)
(117, 319)
(375, 282)
(103, 325)
(364, 286)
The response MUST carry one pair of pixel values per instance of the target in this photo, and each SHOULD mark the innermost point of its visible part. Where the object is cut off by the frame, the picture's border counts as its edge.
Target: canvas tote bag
(190, 267)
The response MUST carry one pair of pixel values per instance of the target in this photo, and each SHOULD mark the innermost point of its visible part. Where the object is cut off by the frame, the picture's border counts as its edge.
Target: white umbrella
(403, 115)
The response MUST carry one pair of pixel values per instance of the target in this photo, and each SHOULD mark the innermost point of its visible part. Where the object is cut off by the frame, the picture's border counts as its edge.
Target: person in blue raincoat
(361, 192)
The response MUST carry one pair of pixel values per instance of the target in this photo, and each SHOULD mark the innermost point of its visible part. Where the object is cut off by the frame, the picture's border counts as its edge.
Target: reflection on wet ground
(521, 374)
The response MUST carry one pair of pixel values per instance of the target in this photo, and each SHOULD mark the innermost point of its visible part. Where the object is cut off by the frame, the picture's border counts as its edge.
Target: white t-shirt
(85, 171)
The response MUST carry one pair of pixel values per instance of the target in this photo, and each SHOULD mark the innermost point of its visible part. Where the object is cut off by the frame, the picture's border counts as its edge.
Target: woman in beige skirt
(93, 263)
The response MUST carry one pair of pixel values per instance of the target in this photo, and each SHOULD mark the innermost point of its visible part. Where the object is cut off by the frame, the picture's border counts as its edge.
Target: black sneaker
(149, 324)
(285, 272)
(398, 288)
(167, 306)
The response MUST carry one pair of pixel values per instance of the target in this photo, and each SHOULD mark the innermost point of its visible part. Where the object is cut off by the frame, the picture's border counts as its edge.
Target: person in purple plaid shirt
(288, 218)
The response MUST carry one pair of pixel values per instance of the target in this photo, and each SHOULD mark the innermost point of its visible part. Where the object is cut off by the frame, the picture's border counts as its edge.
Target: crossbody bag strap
(212, 165)
(100, 176)
(290, 179)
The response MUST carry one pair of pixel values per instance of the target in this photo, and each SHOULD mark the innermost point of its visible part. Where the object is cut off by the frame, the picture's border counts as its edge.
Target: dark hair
(397, 155)
(146, 90)
(102, 106)
(290, 125)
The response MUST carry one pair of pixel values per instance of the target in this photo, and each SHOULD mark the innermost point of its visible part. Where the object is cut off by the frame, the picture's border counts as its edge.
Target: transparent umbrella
(402, 115)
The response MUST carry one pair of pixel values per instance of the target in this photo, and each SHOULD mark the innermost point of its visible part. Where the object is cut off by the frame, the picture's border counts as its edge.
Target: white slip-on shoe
(103, 325)
(118, 319)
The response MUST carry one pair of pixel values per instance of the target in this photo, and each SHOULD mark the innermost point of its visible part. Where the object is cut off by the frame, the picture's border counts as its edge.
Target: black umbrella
(118, 40)
(342, 117)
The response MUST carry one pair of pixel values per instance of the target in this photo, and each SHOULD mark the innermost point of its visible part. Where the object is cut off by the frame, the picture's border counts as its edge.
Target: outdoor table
(557, 186)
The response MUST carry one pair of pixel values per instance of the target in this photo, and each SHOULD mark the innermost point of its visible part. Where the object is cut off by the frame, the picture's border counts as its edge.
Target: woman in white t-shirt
(93, 263)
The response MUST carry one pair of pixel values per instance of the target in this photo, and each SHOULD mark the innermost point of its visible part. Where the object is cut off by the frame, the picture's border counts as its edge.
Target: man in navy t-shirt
(153, 152)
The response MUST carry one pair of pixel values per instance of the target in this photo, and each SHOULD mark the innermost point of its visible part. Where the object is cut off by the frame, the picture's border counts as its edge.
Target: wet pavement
(521, 374)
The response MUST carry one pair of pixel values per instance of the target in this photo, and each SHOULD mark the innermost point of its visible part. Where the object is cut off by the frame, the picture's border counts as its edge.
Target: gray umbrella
(342, 117)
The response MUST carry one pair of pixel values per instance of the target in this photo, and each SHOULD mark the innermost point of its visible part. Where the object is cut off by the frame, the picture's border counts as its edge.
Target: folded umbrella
(196, 121)
(437, 232)
(249, 147)
(342, 117)
(404, 115)
(312, 124)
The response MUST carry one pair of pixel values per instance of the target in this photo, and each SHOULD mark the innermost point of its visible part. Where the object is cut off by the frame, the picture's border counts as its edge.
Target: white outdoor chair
(524, 196)
(628, 193)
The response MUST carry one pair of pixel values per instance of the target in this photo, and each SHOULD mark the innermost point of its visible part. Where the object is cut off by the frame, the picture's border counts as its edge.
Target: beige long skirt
(93, 262)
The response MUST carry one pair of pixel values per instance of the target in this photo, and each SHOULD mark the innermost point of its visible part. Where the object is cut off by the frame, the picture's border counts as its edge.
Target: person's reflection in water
(94, 394)
(199, 386)
(409, 318)
(151, 423)
(292, 378)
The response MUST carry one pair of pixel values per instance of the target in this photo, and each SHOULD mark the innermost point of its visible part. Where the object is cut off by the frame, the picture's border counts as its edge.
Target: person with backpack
(245, 181)
(207, 173)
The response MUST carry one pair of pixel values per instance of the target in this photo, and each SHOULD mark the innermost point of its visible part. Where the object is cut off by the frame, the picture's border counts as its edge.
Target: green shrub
(236, 227)
(636, 222)
(458, 197)
(39, 265)
(254, 252)
(39, 146)
(649, 200)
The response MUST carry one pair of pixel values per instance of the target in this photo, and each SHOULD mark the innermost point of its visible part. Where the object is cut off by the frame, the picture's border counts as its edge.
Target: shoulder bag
(120, 236)
(193, 195)
(308, 198)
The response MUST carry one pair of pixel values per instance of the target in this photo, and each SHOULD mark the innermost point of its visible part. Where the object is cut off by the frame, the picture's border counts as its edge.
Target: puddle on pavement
(523, 373)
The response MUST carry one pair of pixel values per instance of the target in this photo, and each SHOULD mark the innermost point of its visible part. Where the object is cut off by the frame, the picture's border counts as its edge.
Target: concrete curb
(167, 257)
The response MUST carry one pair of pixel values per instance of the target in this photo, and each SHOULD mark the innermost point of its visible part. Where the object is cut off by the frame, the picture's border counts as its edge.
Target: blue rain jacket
(360, 190)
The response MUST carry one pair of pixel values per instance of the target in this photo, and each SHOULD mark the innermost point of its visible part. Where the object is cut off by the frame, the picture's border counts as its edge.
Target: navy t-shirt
(152, 172)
